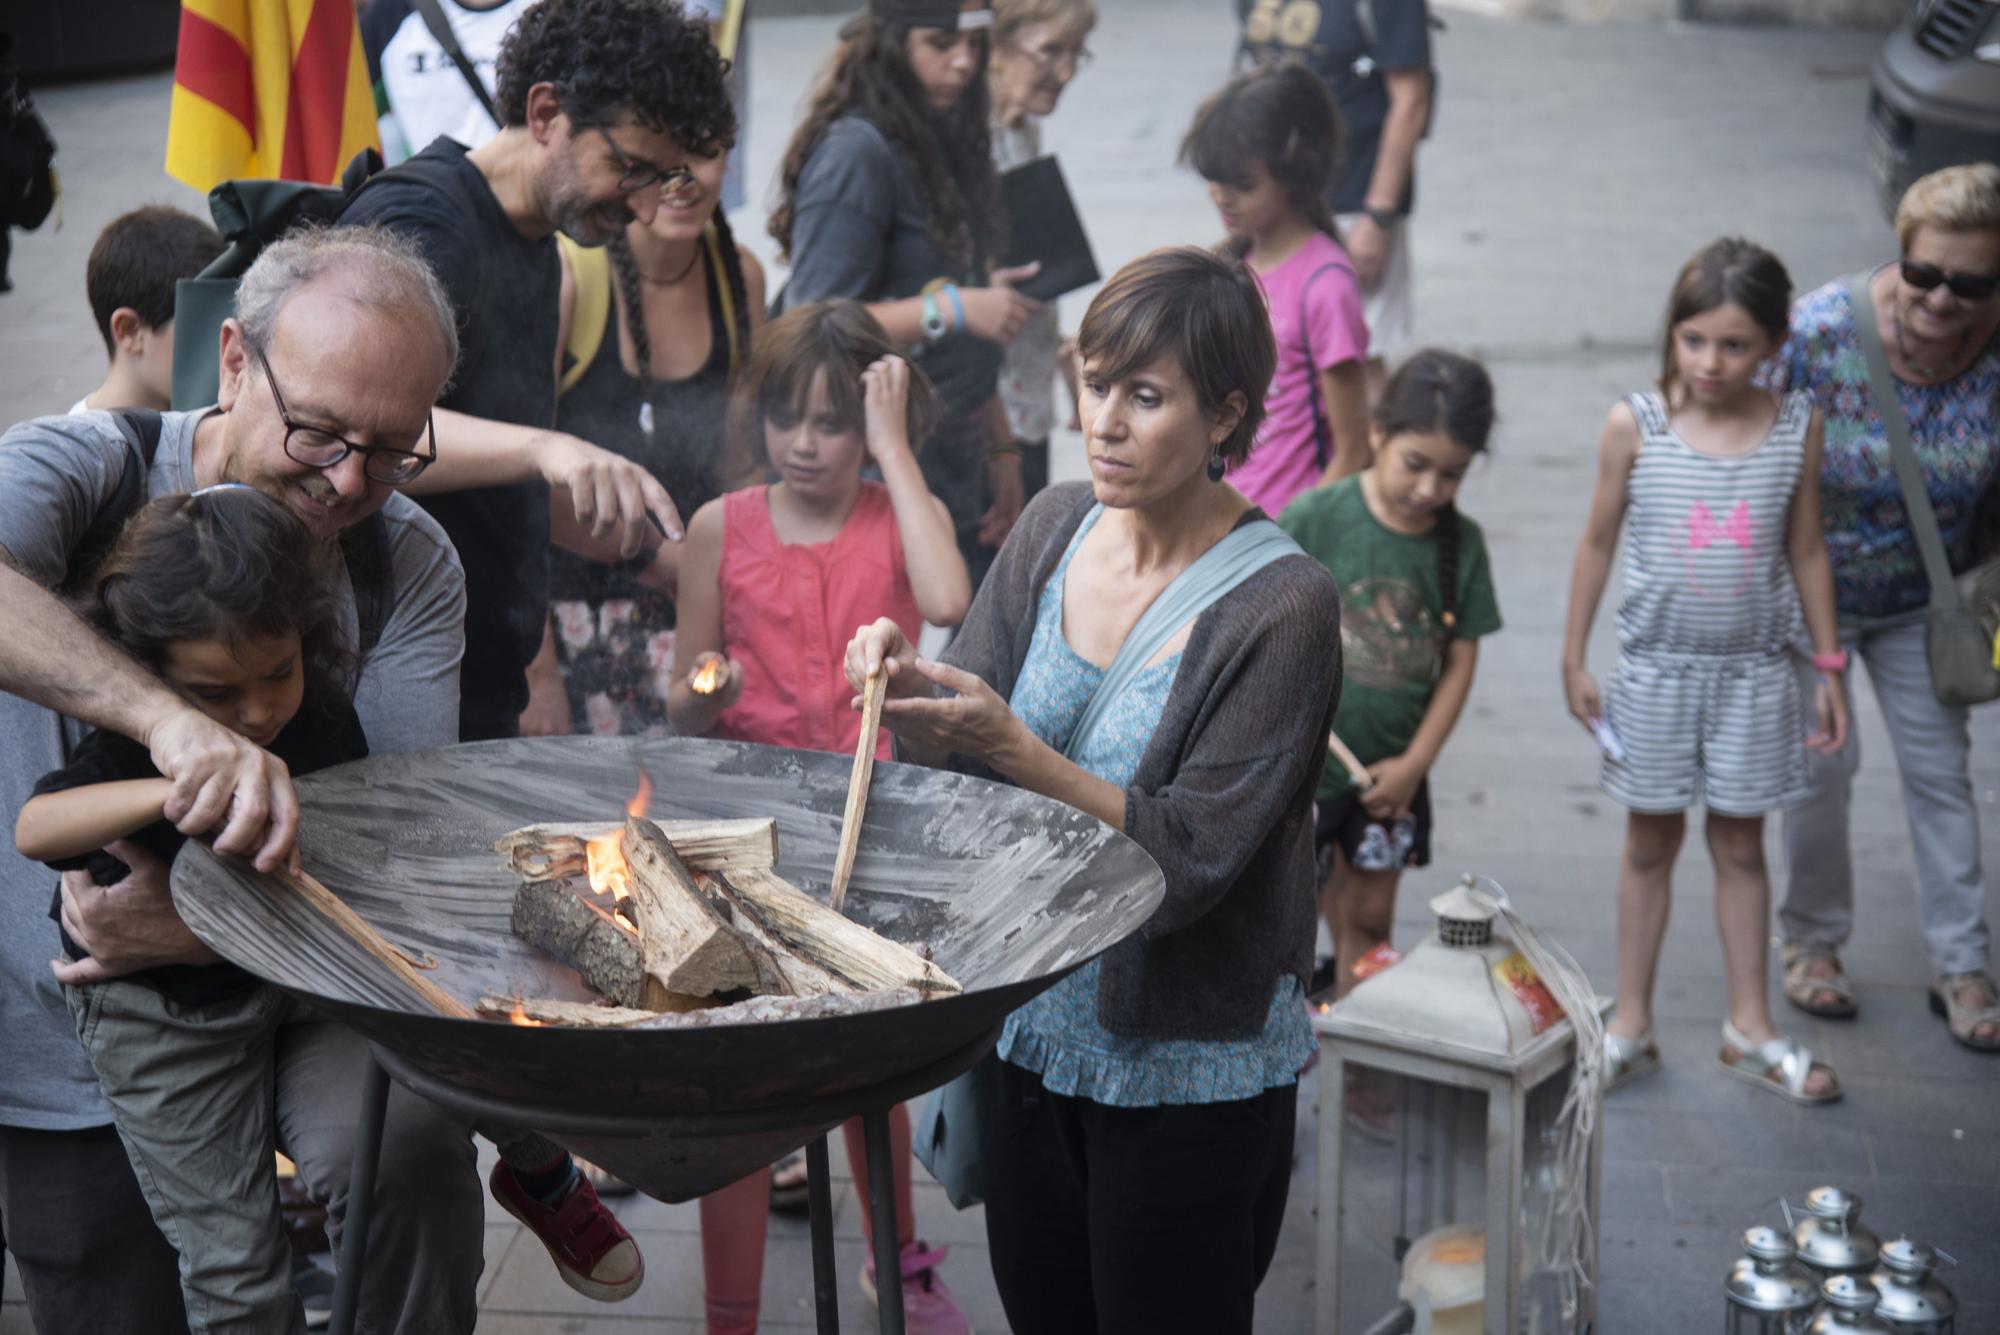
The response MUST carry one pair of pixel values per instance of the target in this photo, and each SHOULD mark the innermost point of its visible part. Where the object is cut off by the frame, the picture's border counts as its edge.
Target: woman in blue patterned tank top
(1136, 1139)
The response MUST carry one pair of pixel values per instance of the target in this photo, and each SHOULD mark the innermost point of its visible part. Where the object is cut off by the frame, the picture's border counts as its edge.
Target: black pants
(1116, 1221)
(92, 1261)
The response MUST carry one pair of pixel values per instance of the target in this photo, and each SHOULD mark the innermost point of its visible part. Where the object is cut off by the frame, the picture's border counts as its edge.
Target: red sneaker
(592, 1251)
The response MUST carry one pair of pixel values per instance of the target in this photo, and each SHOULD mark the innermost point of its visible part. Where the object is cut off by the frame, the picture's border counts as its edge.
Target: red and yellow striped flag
(268, 88)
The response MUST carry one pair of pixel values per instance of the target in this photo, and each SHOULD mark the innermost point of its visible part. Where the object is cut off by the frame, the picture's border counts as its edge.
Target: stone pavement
(1572, 170)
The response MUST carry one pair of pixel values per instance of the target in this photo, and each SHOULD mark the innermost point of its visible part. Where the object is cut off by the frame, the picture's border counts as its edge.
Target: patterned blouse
(1058, 1033)
(1877, 571)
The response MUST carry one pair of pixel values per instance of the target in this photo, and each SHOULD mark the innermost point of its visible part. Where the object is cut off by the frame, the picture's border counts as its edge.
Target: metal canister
(1913, 1302)
(1830, 1239)
(1768, 1291)
(1850, 1309)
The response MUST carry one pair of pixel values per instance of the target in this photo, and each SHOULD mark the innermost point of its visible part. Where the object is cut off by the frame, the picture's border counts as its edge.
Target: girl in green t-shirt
(1416, 594)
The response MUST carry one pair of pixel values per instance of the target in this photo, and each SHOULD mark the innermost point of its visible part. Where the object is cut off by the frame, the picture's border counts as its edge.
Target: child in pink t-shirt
(773, 581)
(1266, 145)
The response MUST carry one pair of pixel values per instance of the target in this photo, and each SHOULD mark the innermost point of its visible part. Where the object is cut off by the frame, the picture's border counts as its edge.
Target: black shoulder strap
(440, 26)
(1322, 433)
(141, 429)
(364, 547)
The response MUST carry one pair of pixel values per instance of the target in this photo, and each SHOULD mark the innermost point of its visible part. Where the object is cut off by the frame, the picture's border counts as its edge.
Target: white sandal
(1626, 1059)
(1781, 1065)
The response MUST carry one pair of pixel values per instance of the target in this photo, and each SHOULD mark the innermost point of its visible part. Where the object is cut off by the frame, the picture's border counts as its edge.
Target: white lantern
(1495, 1165)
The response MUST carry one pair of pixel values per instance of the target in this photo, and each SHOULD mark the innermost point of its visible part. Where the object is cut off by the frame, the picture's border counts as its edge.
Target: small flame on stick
(519, 1016)
(707, 679)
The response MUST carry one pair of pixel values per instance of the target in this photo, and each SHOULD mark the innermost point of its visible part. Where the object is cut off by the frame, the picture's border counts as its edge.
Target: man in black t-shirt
(1375, 59)
(603, 101)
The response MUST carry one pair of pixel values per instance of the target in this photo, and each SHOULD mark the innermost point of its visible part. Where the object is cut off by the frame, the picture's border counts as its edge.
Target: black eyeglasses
(635, 175)
(316, 447)
(1964, 286)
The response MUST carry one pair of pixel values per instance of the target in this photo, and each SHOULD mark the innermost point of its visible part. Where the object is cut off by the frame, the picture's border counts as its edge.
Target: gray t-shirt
(56, 473)
(859, 231)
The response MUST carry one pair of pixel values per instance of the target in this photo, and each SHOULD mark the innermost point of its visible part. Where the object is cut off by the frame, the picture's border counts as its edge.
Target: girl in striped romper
(1723, 551)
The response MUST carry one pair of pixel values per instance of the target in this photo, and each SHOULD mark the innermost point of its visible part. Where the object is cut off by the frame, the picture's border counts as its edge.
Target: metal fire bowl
(1009, 889)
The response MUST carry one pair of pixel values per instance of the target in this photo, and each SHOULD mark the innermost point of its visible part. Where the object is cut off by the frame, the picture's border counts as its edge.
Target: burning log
(684, 940)
(561, 919)
(842, 946)
(554, 850)
(534, 1012)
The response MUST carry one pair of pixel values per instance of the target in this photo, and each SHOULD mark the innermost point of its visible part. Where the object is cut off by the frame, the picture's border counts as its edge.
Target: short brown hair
(1010, 16)
(139, 257)
(1965, 198)
(839, 337)
(1204, 308)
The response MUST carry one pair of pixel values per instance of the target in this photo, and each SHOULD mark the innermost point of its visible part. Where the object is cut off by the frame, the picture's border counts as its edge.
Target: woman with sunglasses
(1938, 314)
(1038, 47)
(887, 196)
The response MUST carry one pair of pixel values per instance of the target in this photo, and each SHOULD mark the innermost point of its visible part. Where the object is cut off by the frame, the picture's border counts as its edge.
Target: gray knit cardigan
(1223, 795)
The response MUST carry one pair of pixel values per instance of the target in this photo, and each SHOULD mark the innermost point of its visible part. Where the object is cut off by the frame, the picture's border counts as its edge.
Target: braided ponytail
(627, 270)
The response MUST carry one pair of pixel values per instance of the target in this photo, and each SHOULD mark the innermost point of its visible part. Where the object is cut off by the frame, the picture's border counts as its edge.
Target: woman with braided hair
(1416, 595)
(888, 196)
(652, 326)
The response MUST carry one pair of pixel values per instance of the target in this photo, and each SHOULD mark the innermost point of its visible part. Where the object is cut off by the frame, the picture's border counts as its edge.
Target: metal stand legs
(826, 1278)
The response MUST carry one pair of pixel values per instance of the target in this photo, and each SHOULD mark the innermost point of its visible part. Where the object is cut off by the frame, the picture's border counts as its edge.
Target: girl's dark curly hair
(949, 156)
(612, 58)
(838, 338)
(231, 565)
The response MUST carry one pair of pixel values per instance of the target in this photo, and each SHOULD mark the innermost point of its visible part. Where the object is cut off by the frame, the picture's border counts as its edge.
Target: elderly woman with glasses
(1938, 314)
(1038, 47)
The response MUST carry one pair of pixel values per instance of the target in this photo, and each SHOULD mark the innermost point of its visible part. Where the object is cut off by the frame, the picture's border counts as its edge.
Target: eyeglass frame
(636, 174)
(1928, 277)
(368, 453)
(1079, 58)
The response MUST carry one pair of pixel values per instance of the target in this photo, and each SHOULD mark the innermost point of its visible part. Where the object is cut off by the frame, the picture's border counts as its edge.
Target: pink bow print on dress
(1703, 530)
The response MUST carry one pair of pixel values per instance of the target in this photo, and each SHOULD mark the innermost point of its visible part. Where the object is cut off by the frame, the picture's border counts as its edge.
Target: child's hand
(885, 399)
(1395, 787)
(725, 673)
(1830, 707)
(1586, 706)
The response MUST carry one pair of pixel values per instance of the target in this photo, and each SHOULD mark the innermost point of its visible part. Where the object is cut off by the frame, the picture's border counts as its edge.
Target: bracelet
(1833, 662)
(957, 306)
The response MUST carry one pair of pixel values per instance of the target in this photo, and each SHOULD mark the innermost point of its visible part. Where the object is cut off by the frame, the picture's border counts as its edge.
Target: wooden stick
(687, 944)
(857, 785)
(553, 850)
(866, 960)
(1357, 772)
(351, 925)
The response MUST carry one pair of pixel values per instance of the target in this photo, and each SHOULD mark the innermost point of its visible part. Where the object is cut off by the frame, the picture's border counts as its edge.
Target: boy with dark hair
(134, 265)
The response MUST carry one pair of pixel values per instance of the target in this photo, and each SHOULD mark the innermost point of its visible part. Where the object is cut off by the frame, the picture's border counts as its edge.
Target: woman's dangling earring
(1215, 465)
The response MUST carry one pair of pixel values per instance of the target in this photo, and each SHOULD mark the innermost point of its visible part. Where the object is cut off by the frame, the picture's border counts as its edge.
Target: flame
(519, 1015)
(604, 863)
(707, 679)
(643, 798)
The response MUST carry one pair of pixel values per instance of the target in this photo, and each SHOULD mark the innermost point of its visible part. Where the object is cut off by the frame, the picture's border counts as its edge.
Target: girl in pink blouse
(1266, 144)
(773, 581)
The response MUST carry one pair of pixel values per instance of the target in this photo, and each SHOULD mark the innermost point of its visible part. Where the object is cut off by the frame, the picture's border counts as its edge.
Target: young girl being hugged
(1416, 596)
(1723, 551)
(231, 600)
(773, 581)
(1266, 144)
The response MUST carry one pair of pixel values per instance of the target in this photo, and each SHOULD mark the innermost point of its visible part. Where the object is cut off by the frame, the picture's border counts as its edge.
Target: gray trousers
(1933, 754)
(203, 1095)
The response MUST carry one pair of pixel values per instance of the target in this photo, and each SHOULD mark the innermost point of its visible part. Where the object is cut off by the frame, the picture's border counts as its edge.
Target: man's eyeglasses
(316, 447)
(635, 175)
(1964, 286)
(1054, 56)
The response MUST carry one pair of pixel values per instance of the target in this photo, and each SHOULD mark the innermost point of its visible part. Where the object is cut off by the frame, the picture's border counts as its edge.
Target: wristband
(1385, 219)
(1833, 662)
(933, 320)
(957, 306)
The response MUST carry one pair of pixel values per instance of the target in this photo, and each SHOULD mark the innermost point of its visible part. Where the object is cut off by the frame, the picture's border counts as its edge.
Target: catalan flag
(268, 88)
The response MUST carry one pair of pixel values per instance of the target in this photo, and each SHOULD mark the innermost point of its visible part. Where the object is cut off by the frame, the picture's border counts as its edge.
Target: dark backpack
(364, 547)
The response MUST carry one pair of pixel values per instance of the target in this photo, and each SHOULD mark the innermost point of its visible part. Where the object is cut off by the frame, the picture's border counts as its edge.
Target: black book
(1043, 225)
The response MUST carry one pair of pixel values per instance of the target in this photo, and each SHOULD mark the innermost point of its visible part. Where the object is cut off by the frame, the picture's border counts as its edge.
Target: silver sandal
(1626, 1059)
(1781, 1065)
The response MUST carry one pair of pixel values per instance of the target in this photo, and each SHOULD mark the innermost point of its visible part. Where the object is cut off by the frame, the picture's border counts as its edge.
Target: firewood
(351, 924)
(781, 970)
(561, 919)
(686, 943)
(872, 693)
(845, 948)
(554, 850)
(577, 1014)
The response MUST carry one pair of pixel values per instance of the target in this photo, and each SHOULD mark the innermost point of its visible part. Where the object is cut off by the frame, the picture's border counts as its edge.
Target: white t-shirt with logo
(418, 90)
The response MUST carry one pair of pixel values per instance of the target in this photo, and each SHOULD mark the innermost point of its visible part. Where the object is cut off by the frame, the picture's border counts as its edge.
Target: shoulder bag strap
(1322, 433)
(590, 315)
(1902, 455)
(440, 27)
(1241, 554)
